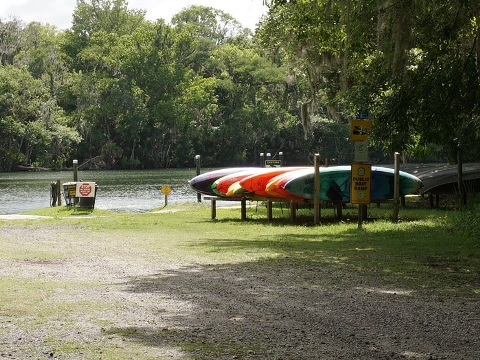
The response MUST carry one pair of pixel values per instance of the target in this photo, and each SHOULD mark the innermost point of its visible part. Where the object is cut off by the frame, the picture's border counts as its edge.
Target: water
(129, 191)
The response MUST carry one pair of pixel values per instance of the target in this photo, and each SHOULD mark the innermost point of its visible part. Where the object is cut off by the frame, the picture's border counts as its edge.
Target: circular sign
(85, 189)
(166, 189)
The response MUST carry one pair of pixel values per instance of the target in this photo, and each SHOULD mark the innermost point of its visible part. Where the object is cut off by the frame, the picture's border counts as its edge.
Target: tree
(110, 17)
(32, 127)
(209, 23)
(41, 53)
(250, 114)
(10, 39)
(388, 56)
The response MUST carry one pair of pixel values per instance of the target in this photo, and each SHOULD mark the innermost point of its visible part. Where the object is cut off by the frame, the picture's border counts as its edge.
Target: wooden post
(293, 211)
(59, 193)
(75, 170)
(269, 210)
(396, 187)
(360, 217)
(214, 208)
(197, 165)
(339, 211)
(75, 178)
(316, 192)
(244, 209)
(365, 211)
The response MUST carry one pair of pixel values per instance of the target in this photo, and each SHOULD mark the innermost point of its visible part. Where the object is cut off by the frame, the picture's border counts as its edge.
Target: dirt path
(132, 299)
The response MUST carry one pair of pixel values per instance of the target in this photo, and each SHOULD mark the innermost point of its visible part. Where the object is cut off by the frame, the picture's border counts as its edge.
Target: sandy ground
(190, 310)
(20, 217)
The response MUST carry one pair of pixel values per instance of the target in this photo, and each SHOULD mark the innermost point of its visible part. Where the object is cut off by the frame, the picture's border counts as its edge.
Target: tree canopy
(118, 91)
(413, 64)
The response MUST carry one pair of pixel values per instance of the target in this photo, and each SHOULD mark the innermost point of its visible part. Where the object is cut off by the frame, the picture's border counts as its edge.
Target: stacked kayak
(203, 183)
(297, 183)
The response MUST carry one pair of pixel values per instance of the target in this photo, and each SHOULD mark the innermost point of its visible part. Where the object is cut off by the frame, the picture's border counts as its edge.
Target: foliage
(132, 93)
(32, 127)
(413, 64)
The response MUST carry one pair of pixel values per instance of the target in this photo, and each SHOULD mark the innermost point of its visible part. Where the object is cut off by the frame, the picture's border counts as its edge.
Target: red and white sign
(85, 189)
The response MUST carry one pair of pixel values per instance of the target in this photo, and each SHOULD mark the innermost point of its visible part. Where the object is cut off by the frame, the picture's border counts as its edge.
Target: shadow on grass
(283, 308)
(338, 293)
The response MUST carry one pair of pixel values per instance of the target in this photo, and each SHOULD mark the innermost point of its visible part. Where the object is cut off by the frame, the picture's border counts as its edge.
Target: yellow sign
(359, 129)
(360, 183)
(166, 189)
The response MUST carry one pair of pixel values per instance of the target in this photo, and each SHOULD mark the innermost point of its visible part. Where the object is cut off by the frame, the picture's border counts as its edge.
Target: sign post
(85, 189)
(360, 188)
(361, 151)
(166, 189)
(360, 184)
(273, 163)
(197, 165)
(361, 172)
(359, 129)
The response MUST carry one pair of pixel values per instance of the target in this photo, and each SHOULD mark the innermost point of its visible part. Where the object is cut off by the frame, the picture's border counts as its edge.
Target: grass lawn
(438, 250)
(434, 252)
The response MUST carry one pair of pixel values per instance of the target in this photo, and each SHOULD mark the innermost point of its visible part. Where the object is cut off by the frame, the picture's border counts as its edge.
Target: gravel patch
(187, 310)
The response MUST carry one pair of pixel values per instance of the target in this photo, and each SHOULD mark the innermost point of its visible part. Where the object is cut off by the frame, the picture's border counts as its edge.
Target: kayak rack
(292, 203)
(214, 199)
(243, 205)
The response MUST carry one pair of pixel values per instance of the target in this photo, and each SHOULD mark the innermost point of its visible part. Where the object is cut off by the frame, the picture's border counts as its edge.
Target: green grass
(428, 251)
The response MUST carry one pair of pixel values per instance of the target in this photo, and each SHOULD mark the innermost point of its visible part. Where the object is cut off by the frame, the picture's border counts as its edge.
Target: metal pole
(396, 187)
(316, 192)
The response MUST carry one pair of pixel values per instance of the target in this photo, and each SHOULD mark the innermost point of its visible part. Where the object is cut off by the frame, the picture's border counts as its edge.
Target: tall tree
(11, 32)
(388, 56)
(32, 127)
(209, 23)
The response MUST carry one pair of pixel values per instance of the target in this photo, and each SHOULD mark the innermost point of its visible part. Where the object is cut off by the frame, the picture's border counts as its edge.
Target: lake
(122, 190)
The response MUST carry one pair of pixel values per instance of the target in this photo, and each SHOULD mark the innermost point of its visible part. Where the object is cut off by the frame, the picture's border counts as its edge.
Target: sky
(59, 12)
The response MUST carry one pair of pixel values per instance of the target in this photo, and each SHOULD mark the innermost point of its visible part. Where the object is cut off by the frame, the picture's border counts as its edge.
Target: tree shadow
(310, 301)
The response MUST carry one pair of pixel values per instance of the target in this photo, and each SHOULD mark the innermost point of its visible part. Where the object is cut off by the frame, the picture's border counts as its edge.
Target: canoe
(221, 185)
(235, 190)
(275, 187)
(203, 183)
(256, 183)
(335, 184)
